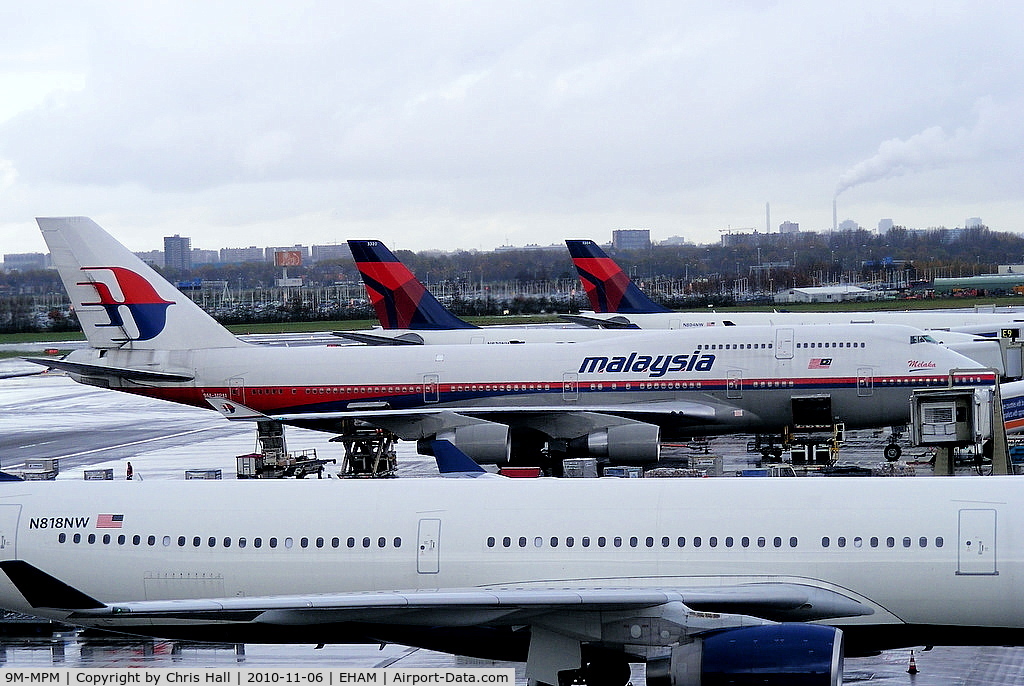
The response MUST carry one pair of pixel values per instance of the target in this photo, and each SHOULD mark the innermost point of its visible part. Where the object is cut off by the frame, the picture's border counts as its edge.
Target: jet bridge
(955, 417)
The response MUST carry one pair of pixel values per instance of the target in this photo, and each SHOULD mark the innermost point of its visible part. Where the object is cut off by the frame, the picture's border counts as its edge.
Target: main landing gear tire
(892, 452)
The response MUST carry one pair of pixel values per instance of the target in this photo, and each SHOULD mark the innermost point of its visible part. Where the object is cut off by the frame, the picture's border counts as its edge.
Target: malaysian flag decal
(109, 521)
(819, 363)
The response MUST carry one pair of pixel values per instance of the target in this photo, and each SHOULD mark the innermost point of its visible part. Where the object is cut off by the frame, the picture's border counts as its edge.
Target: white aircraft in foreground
(706, 580)
(616, 398)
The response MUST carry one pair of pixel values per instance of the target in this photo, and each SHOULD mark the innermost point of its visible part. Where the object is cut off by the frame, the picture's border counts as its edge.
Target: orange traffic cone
(912, 669)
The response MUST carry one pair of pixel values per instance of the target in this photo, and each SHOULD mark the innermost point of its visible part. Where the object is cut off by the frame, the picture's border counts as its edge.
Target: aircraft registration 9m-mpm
(708, 581)
(616, 398)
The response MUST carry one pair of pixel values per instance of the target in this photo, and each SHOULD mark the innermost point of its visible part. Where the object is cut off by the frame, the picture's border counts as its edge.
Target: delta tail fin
(609, 288)
(120, 301)
(401, 301)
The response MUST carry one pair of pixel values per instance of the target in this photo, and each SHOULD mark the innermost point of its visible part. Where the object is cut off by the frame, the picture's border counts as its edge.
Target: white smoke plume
(929, 149)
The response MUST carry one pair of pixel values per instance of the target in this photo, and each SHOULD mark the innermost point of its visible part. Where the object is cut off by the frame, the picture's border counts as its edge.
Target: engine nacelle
(623, 444)
(487, 443)
(768, 655)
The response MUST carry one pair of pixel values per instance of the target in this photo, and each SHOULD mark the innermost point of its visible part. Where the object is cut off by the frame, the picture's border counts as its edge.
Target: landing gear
(892, 451)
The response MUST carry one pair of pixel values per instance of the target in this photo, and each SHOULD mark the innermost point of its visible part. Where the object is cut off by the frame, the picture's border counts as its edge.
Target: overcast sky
(476, 124)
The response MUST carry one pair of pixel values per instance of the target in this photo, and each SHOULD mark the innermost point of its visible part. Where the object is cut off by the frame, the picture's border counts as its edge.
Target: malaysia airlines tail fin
(609, 288)
(120, 301)
(401, 301)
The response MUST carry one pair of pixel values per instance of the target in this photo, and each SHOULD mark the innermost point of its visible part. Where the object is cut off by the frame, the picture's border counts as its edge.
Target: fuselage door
(236, 389)
(428, 547)
(9, 516)
(734, 383)
(977, 539)
(570, 386)
(865, 382)
(784, 344)
(431, 382)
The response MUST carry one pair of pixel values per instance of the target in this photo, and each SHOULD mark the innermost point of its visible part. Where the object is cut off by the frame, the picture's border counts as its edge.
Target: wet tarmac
(50, 416)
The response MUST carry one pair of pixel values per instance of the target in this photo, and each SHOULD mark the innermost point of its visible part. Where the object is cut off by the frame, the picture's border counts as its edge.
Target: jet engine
(769, 655)
(485, 442)
(622, 444)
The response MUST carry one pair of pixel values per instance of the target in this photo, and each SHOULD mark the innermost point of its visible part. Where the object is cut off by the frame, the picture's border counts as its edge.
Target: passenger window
(938, 542)
(522, 541)
(272, 542)
(728, 541)
(601, 541)
(713, 541)
(382, 542)
(681, 542)
(257, 542)
(890, 542)
(335, 542)
(696, 541)
(196, 542)
(212, 542)
(633, 541)
(303, 542)
(181, 541)
(136, 539)
(538, 542)
(569, 541)
(319, 542)
(617, 542)
(490, 541)
(777, 542)
(745, 541)
(506, 542)
(906, 542)
(121, 539)
(874, 541)
(792, 541)
(288, 542)
(227, 542)
(841, 541)
(62, 537)
(554, 541)
(106, 539)
(366, 541)
(241, 542)
(77, 538)
(350, 542)
(665, 541)
(923, 542)
(761, 542)
(92, 538)
(585, 541)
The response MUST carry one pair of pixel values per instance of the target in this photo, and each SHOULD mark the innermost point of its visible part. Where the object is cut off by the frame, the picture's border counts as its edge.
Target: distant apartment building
(238, 255)
(200, 256)
(335, 251)
(177, 252)
(789, 227)
(973, 223)
(24, 261)
(631, 239)
(154, 258)
(885, 225)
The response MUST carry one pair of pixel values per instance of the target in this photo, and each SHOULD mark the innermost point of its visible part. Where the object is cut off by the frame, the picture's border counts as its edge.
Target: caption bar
(258, 677)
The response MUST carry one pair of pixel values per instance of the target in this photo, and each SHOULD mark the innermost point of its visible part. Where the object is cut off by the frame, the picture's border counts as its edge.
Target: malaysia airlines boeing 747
(616, 398)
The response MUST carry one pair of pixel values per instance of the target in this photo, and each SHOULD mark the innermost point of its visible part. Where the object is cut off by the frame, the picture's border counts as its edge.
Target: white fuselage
(923, 552)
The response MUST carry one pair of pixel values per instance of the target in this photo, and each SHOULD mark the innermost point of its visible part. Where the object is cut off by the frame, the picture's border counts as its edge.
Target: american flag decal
(109, 521)
(819, 363)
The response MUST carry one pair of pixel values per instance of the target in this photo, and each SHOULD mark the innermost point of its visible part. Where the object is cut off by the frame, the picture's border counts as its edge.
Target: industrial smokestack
(835, 217)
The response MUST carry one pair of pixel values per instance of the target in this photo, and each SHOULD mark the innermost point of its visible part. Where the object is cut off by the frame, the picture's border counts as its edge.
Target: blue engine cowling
(770, 655)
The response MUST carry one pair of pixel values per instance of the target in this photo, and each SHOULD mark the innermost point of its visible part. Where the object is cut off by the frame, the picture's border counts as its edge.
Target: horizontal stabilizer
(234, 411)
(599, 322)
(111, 372)
(42, 590)
(375, 339)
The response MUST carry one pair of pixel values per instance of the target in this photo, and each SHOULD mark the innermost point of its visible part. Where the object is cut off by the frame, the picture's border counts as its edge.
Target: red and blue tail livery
(608, 287)
(401, 301)
(132, 294)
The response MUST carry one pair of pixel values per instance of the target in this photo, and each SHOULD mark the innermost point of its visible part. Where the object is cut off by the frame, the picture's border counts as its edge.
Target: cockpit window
(924, 338)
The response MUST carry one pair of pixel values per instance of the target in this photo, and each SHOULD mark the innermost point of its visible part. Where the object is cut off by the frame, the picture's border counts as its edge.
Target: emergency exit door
(9, 515)
(428, 547)
(977, 540)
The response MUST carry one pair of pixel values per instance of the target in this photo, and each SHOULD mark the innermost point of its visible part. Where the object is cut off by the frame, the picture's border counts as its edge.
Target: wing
(109, 372)
(461, 607)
